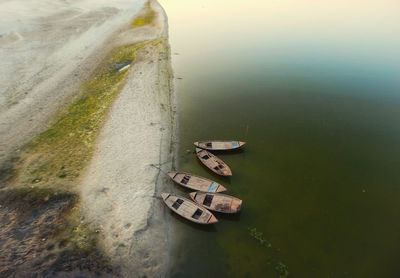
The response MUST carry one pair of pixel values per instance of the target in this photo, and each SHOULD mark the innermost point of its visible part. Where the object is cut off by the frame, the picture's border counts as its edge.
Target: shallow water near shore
(314, 90)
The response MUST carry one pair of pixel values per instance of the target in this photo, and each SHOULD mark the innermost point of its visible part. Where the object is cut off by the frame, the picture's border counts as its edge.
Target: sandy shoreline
(117, 192)
(119, 187)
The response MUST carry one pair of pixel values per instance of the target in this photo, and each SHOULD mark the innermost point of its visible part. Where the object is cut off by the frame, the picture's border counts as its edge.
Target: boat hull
(217, 202)
(219, 145)
(188, 209)
(213, 163)
(195, 182)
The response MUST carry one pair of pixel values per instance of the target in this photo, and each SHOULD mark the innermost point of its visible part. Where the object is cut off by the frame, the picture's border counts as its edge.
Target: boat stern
(221, 188)
(193, 195)
(172, 174)
(165, 196)
(236, 206)
(227, 172)
(213, 220)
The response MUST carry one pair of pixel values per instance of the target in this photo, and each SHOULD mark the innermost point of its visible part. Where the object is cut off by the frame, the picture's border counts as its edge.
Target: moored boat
(195, 182)
(217, 202)
(214, 163)
(188, 209)
(219, 145)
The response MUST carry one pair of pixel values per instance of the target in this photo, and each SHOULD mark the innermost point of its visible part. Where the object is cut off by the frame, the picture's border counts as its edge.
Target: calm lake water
(313, 87)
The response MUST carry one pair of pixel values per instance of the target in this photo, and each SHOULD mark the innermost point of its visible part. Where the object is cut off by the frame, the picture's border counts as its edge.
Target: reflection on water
(313, 87)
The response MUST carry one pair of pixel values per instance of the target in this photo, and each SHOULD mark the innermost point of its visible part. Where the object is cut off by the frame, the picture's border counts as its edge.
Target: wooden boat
(217, 202)
(188, 209)
(213, 163)
(219, 145)
(195, 182)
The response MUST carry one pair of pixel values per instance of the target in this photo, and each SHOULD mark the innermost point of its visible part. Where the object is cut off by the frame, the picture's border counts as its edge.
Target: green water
(314, 90)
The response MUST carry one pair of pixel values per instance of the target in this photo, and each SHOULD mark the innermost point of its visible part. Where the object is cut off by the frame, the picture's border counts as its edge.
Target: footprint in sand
(6, 39)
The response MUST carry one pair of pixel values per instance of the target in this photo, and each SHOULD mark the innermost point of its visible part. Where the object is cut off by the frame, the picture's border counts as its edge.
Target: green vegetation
(146, 17)
(258, 236)
(56, 156)
(282, 270)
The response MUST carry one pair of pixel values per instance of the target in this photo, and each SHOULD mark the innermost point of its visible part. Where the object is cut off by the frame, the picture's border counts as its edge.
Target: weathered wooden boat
(217, 202)
(214, 163)
(195, 182)
(219, 145)
(188, 209)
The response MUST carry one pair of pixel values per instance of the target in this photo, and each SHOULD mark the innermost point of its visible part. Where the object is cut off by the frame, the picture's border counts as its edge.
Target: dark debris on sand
(31, 222)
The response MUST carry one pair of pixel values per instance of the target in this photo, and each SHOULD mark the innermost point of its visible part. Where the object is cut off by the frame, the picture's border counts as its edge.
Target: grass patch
(258, 236)
(146, 17)
(282, 270)
(57, 156)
